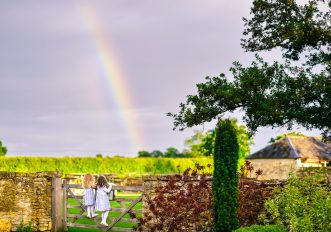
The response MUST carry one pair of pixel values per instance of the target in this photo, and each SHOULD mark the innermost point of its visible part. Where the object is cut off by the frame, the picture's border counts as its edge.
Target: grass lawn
(111, 214)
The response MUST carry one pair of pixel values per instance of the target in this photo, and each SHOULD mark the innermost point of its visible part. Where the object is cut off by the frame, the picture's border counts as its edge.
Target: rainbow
(115, 82)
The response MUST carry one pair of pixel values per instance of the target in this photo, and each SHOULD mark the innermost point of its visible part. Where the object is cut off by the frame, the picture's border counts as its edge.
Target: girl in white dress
(89, 199)
(102, 202)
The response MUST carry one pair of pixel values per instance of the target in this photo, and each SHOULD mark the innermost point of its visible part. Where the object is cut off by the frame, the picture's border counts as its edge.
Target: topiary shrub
(225, 179)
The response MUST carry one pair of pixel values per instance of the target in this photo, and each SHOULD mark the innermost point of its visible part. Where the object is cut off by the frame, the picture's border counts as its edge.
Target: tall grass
(118, 165)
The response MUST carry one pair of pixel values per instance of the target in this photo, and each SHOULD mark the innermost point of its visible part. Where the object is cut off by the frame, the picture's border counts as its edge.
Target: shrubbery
(258, 228)
(252, 195)
(304, 204)
(181, 202)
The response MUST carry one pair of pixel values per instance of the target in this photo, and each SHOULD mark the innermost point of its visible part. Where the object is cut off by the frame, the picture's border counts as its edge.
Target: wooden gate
(73, 202)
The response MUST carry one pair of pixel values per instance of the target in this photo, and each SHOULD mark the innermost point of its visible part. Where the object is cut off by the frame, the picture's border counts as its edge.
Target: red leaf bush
(252, 195)
(181, 202)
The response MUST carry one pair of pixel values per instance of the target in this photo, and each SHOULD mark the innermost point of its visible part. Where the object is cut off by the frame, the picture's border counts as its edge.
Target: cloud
(53, 98)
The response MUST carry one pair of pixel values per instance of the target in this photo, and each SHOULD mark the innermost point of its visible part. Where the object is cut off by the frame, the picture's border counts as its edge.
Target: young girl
(102, 202)
(89, 185)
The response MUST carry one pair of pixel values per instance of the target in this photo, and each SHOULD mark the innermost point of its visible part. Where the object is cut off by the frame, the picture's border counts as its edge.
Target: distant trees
(144, 154)
(99, 155)
(202, 143)
(156, 154)
(171, 152)
(3, 149)
(279, 137)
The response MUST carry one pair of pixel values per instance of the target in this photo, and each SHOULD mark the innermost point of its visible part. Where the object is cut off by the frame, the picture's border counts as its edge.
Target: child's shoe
(104, 223)
(94, 215)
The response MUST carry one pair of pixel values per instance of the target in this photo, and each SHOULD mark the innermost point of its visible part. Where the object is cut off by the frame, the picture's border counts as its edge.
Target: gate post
(57, 204)
(65, 203)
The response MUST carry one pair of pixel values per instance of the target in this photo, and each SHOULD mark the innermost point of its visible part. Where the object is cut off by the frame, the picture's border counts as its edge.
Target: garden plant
(225, 178)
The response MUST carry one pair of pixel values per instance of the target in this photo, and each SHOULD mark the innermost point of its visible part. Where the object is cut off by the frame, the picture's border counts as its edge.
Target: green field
(111, 215)
(117, 165)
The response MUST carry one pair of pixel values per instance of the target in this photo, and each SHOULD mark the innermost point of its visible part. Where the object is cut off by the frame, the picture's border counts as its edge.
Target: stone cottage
(290, 154)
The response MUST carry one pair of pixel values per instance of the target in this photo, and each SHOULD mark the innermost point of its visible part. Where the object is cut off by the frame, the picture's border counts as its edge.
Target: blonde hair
(88, 180)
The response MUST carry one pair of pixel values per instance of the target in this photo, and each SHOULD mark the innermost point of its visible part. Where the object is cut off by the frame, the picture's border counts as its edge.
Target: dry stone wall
(26, 197)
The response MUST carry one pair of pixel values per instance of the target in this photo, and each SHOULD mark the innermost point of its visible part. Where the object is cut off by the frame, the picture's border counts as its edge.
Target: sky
(89, 77)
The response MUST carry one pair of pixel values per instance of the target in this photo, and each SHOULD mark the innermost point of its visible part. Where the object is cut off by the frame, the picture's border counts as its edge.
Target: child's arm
(93, 185)
(107, 190)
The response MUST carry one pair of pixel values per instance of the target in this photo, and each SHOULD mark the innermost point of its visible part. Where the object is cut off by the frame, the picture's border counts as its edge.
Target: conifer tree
(225, 179)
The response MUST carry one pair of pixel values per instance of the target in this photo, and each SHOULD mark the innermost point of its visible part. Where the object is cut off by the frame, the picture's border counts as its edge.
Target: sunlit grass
(111, 215)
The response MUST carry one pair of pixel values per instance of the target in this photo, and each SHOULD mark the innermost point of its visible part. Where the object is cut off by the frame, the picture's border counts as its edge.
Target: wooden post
(65, 203)
(57, 204)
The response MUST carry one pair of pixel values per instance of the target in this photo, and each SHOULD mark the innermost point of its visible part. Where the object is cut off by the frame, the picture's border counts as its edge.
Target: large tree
(296, 91)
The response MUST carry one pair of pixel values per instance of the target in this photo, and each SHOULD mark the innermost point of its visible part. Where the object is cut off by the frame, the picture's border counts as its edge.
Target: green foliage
(273, 94)
(225, 179)
(303, 205)
(118, 165)
(295, 28)
(195, 144)
(202, 144)
(156, 154)
(25, 228)
(3, 149)
(172, 152)
(144, 154)
(98, 155)
(279, 137)
(258, 228)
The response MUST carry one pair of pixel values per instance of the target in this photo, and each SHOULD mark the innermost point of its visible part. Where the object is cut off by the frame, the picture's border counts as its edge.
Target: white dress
(102, 201)
(88, 197)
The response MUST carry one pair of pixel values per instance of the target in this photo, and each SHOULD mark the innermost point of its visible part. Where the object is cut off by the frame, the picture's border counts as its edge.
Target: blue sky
(53, 100)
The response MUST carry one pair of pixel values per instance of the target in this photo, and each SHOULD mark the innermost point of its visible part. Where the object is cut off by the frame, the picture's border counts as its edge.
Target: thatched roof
(306, 148)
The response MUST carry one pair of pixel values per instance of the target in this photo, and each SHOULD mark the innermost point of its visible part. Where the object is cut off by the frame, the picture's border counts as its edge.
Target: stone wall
(27, 197)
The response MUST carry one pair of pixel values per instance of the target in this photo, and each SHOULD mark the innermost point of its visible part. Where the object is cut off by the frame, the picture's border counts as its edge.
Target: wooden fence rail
(70, 192)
